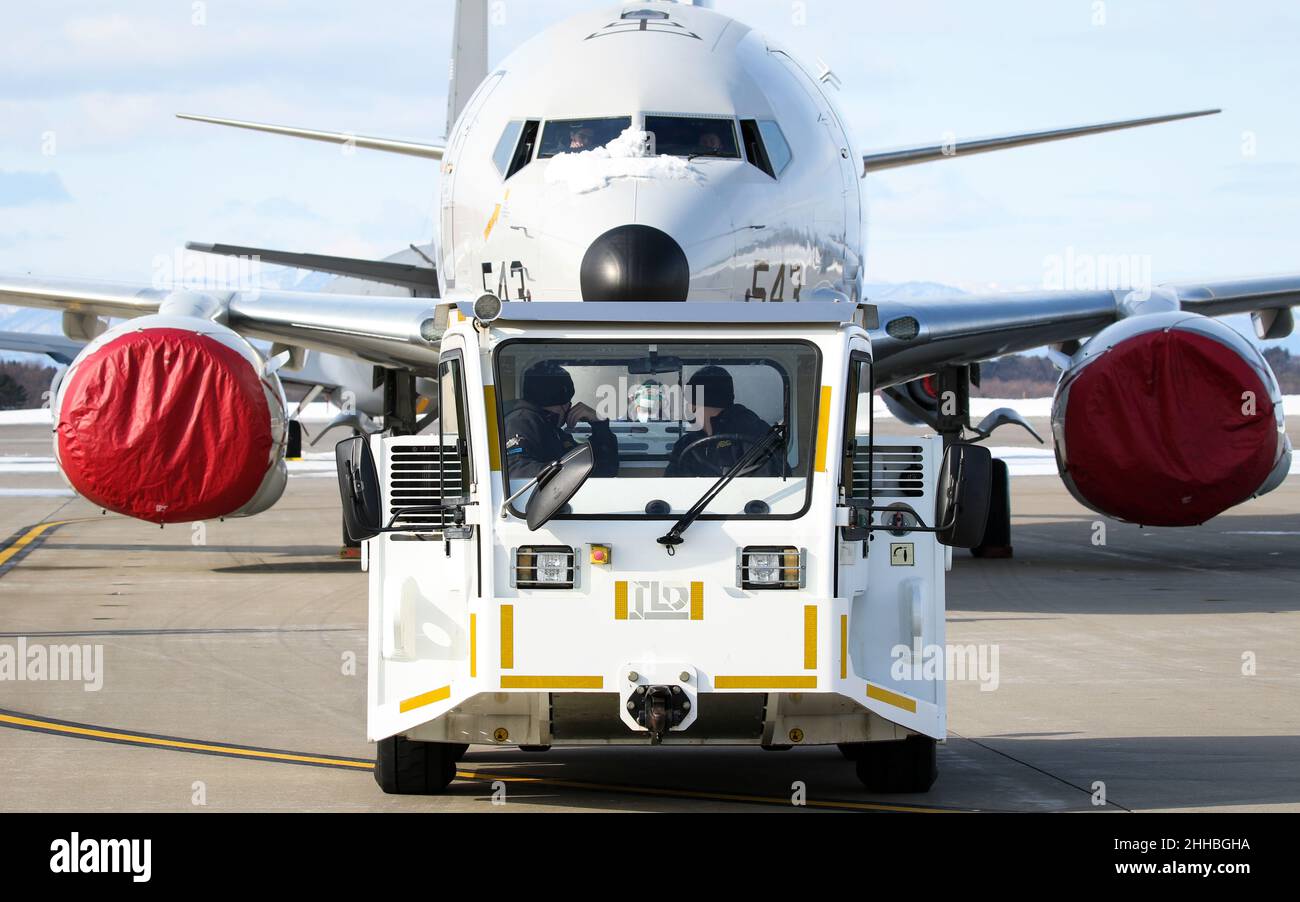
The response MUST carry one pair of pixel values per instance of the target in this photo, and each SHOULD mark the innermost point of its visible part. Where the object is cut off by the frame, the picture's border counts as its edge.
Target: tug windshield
(664, 421)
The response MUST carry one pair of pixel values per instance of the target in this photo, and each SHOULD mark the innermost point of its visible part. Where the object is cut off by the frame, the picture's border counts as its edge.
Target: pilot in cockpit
(580, 139)
(710, 144)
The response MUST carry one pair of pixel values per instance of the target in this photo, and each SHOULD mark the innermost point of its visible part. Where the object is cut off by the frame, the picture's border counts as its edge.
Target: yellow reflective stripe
(552, 682)
(697, 601)
(844, 646)
(810, 637)
(891, 698)
(823, 428)
(765, 682)
(507, 636)
(473, 645)
(490, 411)
(425, 698)
(620, 599)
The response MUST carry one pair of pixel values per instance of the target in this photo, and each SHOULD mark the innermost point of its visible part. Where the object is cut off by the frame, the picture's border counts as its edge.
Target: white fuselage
(746, 234)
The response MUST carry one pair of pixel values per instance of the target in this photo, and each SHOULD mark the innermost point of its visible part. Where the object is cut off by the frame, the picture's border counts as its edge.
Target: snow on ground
(318, 463)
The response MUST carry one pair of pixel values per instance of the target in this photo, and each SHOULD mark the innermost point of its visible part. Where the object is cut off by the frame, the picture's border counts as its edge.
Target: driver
(736, 427)
(536, 428)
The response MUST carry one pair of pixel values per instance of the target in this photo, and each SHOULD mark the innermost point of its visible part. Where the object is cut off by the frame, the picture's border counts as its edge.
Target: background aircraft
(716, 166)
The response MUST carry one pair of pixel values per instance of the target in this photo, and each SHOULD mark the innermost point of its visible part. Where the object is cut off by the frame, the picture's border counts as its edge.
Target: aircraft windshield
(664, 419)
(576, 135)
(684, 136)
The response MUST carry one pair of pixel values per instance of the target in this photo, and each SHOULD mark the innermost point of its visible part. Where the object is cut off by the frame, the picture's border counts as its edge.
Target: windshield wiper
(765, 445)
(708, 153)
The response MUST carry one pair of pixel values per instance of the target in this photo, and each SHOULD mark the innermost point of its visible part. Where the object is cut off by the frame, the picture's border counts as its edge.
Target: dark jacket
(715, 458)
(534, 439)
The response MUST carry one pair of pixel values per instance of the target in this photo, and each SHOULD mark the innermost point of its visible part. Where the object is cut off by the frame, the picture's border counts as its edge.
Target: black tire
(851, 750)
(404, 767)
(458, 750)
(997, 531)
(907, 765)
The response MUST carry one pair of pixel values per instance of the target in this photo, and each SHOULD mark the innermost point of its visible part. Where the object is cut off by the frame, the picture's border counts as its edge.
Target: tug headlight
(487, 308)
(544, 567)
(771, 567)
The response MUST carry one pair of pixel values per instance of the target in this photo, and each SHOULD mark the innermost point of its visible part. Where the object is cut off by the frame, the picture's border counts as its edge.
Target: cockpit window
(778, 151)
(765, 145)
(685, 136)
(514, 149)
(506, 146)
(577, 135)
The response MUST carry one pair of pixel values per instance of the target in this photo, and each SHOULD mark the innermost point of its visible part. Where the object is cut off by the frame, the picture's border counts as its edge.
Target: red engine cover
(165, 425)
(1155, 431)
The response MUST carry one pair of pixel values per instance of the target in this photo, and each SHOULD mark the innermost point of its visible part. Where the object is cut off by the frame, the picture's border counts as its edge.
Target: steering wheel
(695, 451)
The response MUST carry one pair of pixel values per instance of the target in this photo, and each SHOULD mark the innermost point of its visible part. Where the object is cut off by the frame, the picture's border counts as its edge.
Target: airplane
(670, 154)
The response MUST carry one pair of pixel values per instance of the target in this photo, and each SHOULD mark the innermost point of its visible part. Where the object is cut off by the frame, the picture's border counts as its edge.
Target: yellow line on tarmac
(28, 537)
(184, 745)
(236, 751)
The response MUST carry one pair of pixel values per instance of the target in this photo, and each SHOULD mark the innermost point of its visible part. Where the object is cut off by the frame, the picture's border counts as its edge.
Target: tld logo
(651, 599)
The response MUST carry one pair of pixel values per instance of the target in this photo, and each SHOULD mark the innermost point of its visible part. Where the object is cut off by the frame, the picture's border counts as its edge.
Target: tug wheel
(905, 765)
(851, 750)
(405, 767)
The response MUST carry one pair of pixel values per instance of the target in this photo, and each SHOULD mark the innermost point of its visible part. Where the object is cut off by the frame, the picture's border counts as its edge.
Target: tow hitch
(659, 709)
(659, 697)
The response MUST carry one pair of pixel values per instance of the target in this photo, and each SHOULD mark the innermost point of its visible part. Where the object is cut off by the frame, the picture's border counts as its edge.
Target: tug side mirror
(359, 488)
(961, 504)
(557, 484)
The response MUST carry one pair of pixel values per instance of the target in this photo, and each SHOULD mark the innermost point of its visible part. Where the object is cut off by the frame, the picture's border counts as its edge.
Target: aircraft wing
(61, 350)
(916, 337)
(911, 338)
(391, 331)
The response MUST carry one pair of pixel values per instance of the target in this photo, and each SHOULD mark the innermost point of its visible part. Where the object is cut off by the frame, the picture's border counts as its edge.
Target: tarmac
(1159, 671)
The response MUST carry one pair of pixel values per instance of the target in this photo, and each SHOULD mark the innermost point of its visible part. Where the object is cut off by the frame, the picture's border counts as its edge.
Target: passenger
(536, 427)
(737, 427)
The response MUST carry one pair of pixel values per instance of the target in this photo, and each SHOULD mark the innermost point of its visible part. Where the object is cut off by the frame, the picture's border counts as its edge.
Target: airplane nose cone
(635, 263)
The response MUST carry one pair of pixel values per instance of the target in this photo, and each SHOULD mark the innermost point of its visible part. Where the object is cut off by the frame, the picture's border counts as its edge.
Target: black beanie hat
(716, 385)
(547, 384)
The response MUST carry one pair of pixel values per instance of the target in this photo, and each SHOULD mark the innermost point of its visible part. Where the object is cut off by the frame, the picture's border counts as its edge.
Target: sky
(97, 179)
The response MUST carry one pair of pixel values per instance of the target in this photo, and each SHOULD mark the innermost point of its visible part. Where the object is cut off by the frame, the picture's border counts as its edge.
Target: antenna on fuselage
(469, 56)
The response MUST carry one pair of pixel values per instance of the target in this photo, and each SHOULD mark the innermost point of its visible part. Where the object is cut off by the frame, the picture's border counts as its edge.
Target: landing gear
(405, 767)
(293, 448)
(997, 532)
(904, 765)
(350, 550)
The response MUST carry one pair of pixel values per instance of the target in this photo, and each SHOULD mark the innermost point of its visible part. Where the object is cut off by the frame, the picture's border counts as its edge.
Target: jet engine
(170, 419)
(914, 403)
(1169, 419)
